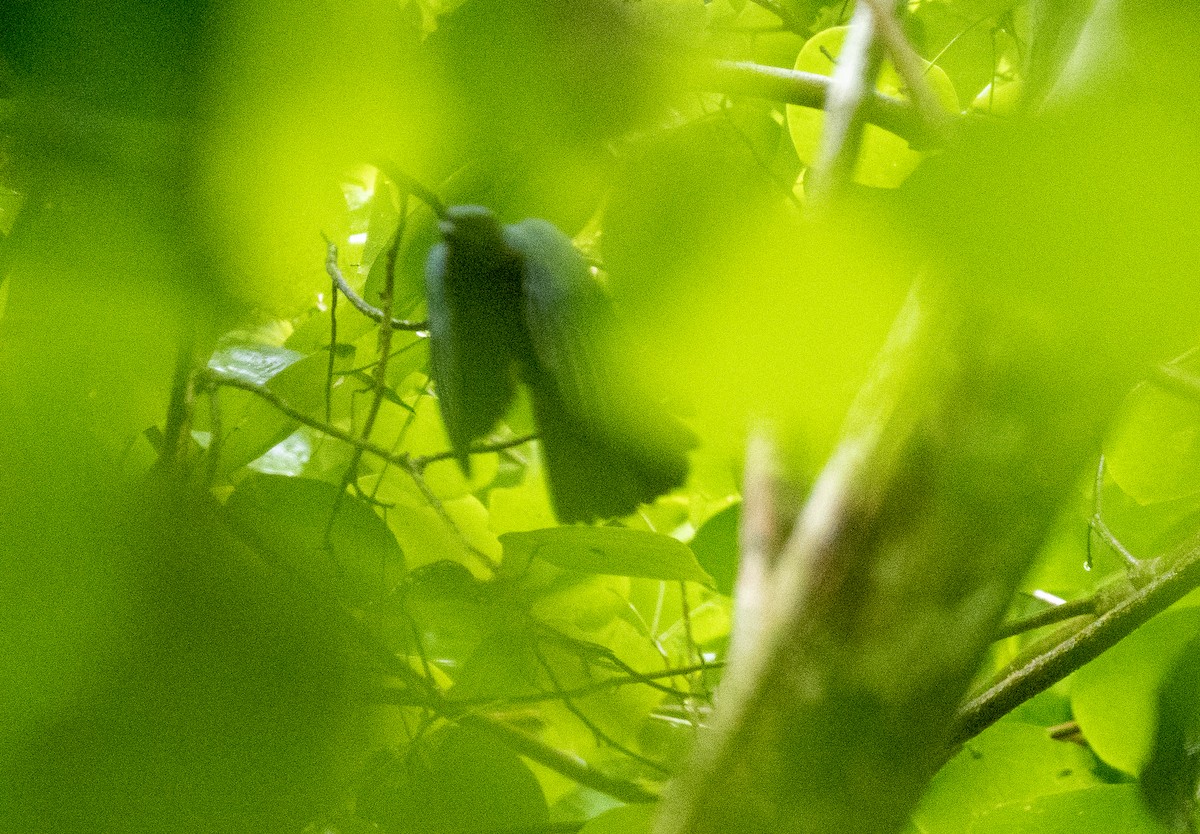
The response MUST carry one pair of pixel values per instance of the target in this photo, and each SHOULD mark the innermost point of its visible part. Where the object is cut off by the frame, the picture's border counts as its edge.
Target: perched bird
(522, 298)
(473, 292)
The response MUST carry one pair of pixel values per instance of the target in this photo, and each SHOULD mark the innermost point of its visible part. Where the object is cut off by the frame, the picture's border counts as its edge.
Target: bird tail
(594, 472)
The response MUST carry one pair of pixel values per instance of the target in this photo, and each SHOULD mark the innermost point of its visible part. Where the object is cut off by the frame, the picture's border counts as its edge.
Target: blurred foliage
(215, 609)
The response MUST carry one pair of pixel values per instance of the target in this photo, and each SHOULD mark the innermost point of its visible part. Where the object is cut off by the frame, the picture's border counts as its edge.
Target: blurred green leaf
(1011, 763)
(455, 781)
(352, 555)
(1153, 451)
(609, 550)
(628, 819)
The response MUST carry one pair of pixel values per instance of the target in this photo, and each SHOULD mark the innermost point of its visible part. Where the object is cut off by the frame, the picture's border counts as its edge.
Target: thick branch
(809, 89)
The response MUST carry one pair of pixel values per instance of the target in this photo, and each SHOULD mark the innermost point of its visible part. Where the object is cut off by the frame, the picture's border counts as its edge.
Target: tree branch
(809, 89)
(1120, 619)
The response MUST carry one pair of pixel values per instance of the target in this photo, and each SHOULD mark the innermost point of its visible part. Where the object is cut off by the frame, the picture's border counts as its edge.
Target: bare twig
(1052, 615)
(568, 764)
(371, 312)
(597, 732)
(420, 462)
(211, 377)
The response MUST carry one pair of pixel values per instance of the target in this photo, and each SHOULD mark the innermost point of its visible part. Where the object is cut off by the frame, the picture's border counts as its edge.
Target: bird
(519, 304)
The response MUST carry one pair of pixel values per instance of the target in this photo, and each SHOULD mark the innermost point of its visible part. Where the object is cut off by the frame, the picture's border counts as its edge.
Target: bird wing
(609, 446)
(472, 294)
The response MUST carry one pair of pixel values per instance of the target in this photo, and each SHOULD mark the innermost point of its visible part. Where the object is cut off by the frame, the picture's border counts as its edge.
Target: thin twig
(371, 312)
(420, 462)
(212, 377)
(379, 381)
(1050, 616)
(597, 733)
(1089, 642)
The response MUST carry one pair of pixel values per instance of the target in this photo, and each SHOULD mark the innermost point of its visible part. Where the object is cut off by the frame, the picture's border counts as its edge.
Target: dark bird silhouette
(521, 300)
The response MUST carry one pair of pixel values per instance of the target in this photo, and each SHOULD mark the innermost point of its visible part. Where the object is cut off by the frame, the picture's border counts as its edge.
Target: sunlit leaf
(1114, 698)
(1100, 808)
(1010, 763)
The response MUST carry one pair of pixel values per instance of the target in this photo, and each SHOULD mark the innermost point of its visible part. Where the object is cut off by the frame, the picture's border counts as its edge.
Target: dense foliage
(251, 582)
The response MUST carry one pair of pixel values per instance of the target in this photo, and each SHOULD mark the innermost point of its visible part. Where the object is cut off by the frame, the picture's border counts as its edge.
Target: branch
(1089, 642)
(809, 89)
(212, 377)
(421, 462)
(910, 66)
(1052, 615)
(373, 313)
(850, 87)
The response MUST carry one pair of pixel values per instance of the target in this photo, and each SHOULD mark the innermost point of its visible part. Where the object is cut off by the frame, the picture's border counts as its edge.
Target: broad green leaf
(628, 819)
(351, 554)
(716, 547)
(1103, 808)
(447, 608)
(456, 781)
(1010, 763)
(609, 550)
(885, 160)
(1153, 452)
(251, 426)
(1172, 773)
(1114, 698)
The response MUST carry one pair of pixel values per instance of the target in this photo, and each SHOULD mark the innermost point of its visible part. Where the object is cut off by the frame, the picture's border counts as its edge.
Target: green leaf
(1154, 449)
(628, 819)
(608, 550)
(288, 517)
(1011, 762)
(458, 781)
(1114, 698)
(716, 547)
(1170, 777)
(1114, 808)
(252, 363)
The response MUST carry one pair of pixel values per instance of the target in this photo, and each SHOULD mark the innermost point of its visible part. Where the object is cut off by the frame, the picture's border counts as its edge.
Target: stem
(1088, 643)
(371, 312)
(851, 85)
(1056, 614)
(810, 89)
(568, 764)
